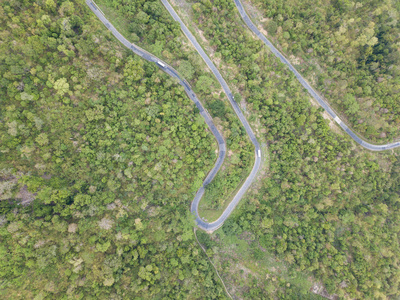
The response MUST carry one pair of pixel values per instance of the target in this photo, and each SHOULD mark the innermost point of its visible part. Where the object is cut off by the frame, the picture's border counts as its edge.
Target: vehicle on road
(307, 86)
(221, 143)
(160, 64)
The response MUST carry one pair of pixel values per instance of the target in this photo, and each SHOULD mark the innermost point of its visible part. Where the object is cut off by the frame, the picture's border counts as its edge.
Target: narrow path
(257, 149)
(209, 259)
(221, 143)
(307, 86)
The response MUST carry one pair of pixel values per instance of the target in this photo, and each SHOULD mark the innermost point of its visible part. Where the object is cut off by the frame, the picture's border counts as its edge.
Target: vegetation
(100, 156)
(326, 206)
(250, 271)
(348, 50)
(161, 36)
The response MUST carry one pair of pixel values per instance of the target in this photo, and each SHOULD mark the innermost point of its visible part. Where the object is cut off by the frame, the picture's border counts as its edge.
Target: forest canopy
(349, 50)
(101, 154)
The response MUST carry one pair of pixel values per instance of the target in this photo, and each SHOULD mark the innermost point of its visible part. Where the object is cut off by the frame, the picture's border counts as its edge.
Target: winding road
(210, 227)
(305, 84)
(257, 150)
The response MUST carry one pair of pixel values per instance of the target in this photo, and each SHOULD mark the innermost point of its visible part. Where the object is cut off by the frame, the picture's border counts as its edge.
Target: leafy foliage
(344, 47)
(325, 206)
(100, 156)
(164, 38)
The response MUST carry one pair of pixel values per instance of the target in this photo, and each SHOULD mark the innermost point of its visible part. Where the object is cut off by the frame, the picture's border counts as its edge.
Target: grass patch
(214, 202)
(250, 271)
(116, 18)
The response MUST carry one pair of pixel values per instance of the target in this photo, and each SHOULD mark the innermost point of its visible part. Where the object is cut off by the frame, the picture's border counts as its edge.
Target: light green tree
(62, 86)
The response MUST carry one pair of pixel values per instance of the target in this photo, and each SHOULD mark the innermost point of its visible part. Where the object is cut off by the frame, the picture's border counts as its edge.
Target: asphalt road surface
(221, 143)
(218, 223)
(172, 72)
(305, 84)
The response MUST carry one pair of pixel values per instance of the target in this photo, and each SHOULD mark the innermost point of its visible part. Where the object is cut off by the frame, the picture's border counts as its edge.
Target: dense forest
(101, 153)
(348, 50)
(150, 26)
(100, 156)
(325, 206)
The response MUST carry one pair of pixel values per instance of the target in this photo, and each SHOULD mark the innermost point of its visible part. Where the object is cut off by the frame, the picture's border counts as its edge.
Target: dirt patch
(325, 115)
(185, 12)
(46, 176)
(72, 228)
(295, 60)
(247, 236)
(245, 270)
(25, 196)
(254, 12)
(262, 30)
(265, 20)
(384, 165)
(320, 290)
(201, 35)
(216, 60)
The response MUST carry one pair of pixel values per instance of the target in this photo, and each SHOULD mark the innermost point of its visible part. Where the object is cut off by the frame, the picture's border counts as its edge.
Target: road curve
(221, 143)
(172, 72)
(257, 150)
(305, 84)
